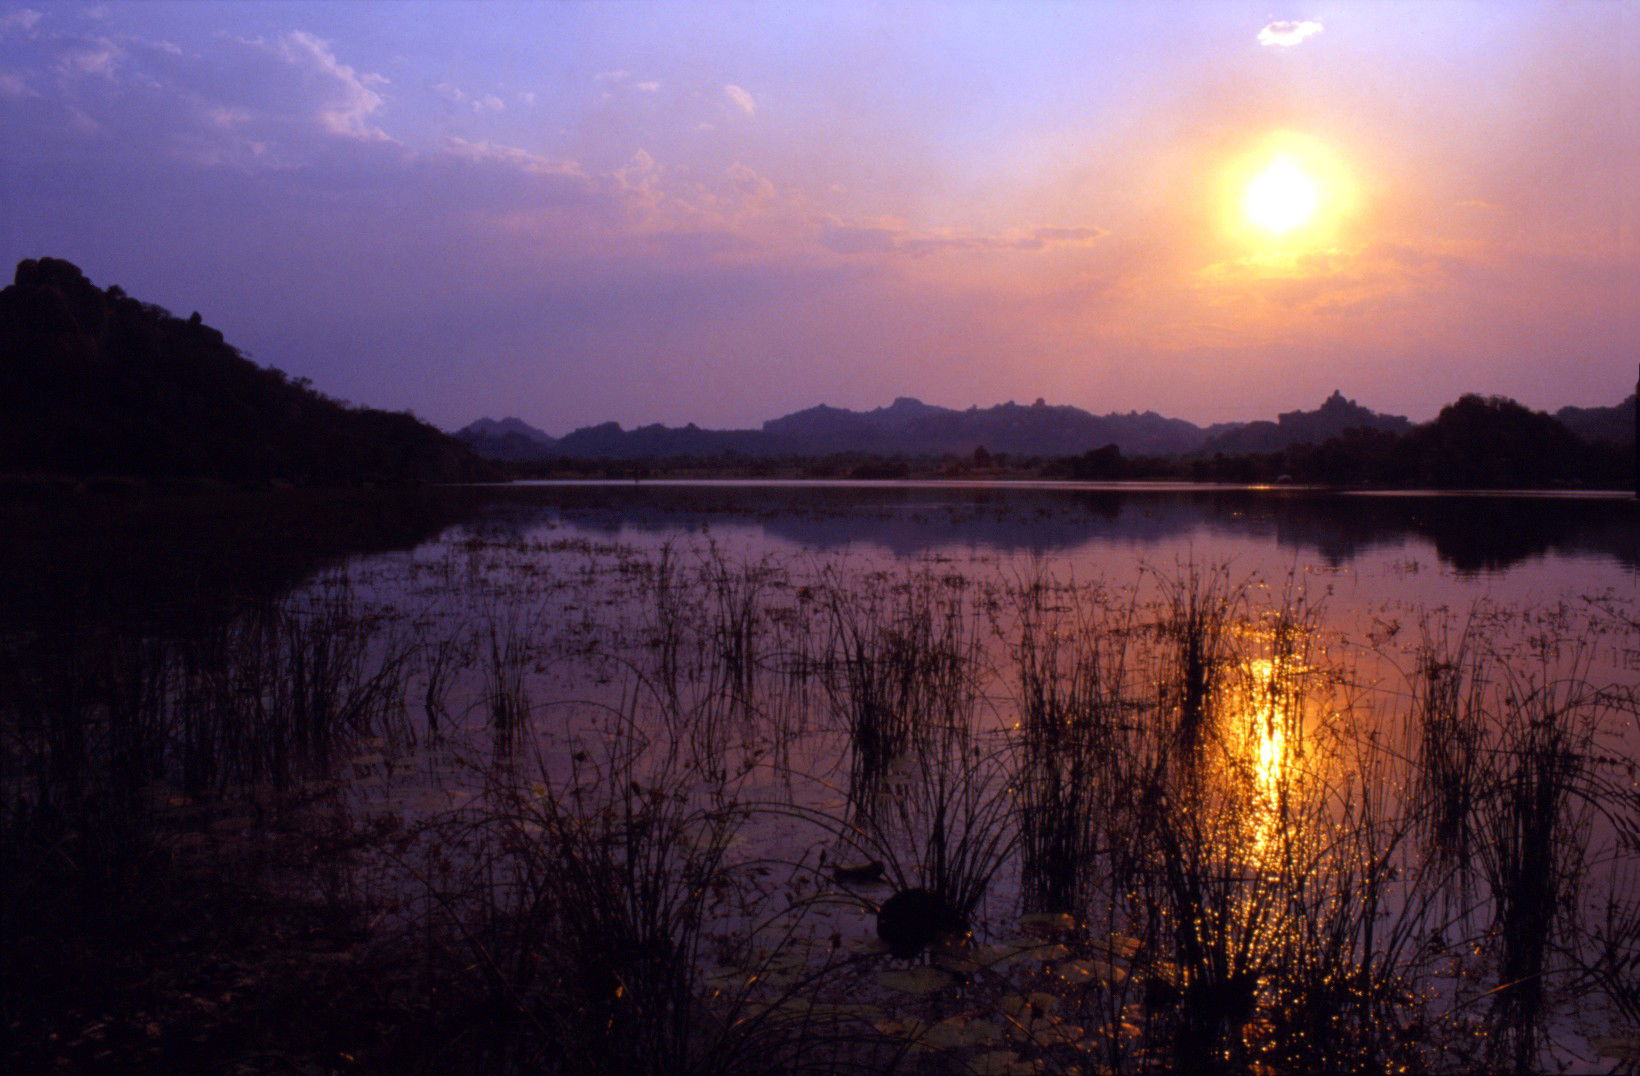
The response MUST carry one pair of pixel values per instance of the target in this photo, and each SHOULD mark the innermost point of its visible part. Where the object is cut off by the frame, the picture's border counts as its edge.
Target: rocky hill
(96, 383)
(1335, 415)
(1614, 424)
(506, 439)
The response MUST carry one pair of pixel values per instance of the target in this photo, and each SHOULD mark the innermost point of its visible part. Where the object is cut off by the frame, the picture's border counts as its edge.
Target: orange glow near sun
(1289, 193)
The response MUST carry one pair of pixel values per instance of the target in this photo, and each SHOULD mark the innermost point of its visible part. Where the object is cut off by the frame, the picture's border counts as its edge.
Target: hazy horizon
(721, 214)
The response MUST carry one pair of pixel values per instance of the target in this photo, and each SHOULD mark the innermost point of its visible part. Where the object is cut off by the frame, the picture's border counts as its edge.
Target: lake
(926, 776)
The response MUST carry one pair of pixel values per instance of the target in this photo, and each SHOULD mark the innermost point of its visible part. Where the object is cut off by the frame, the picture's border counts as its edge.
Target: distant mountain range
(909, 427)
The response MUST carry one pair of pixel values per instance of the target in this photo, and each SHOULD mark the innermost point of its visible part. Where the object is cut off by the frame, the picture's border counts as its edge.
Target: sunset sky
(718, 214)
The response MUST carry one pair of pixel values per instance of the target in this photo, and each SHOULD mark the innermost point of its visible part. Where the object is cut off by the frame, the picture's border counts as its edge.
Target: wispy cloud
(14, 86)
(25, 19)
(1287, 33)
(92, 59)
(511, 155)
(741, 99)
(891, 237)
(478, 103)
(352, 99)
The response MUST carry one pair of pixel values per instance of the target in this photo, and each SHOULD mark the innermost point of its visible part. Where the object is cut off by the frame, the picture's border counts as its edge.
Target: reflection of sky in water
(1310, 750)
(1384, 552)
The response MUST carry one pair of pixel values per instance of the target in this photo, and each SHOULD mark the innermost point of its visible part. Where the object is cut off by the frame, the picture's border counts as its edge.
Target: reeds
(1252, 873)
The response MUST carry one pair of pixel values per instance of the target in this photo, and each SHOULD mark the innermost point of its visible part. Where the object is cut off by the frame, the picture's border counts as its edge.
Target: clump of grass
(1536, 826)
(1072, 704)
(441, 660)
(1199, 606)
(507, 656)
(669, 619)
(1448, 734)
(598, 908)
(735, 618)
(337, 671)
(901, 671)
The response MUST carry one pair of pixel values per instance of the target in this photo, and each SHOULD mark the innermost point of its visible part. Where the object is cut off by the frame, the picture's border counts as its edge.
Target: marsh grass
(1199, 606)
(1245, 870)
(1074, 709)
(1448, 734)
(506, 642)
(901, 672)
(595, 911)
(1537, 824)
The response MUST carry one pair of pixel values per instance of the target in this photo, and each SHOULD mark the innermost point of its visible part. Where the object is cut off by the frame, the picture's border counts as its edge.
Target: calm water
(1364, 557)
(1229, 731)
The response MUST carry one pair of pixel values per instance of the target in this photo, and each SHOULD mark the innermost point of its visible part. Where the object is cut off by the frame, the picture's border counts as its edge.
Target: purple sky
(717, 213)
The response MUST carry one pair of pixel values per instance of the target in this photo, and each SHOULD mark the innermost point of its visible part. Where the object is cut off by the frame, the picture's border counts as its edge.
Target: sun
(1282, 197)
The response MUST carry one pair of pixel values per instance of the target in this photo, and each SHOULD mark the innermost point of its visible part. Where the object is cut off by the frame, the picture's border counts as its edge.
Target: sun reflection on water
(1263, 746)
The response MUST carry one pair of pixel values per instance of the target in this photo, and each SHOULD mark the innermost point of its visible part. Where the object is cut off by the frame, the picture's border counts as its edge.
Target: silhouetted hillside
(1614, 424)
(1489, 442)
(1474, 443)
(93, 382)
(1335, 415)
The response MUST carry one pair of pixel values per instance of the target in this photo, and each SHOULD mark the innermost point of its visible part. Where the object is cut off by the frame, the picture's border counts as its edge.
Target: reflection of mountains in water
(1468, 533)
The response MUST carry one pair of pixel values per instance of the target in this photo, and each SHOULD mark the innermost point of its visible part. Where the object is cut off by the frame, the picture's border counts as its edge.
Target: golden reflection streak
(1263, 748)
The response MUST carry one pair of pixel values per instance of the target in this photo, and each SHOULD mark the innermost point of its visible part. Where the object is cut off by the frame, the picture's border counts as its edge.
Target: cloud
(227, 118)
(487, 103)
(852, 239)
(511, 155)
(13, 86)
(1285, 34)
(25, 20)
(749, 184)
(1070, 236)
(648, 87)
(351, 97)
(890, 237)
(741, 99)
(96, 58)
(620, 74)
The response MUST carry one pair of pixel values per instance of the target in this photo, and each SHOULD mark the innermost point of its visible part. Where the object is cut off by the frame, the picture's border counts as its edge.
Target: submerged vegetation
(531, 802)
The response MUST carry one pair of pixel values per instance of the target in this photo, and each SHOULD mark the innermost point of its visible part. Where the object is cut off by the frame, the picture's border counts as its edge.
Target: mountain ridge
(910, 427)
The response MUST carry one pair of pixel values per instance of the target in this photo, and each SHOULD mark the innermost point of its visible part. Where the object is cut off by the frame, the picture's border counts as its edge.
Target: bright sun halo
(1282, 197)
